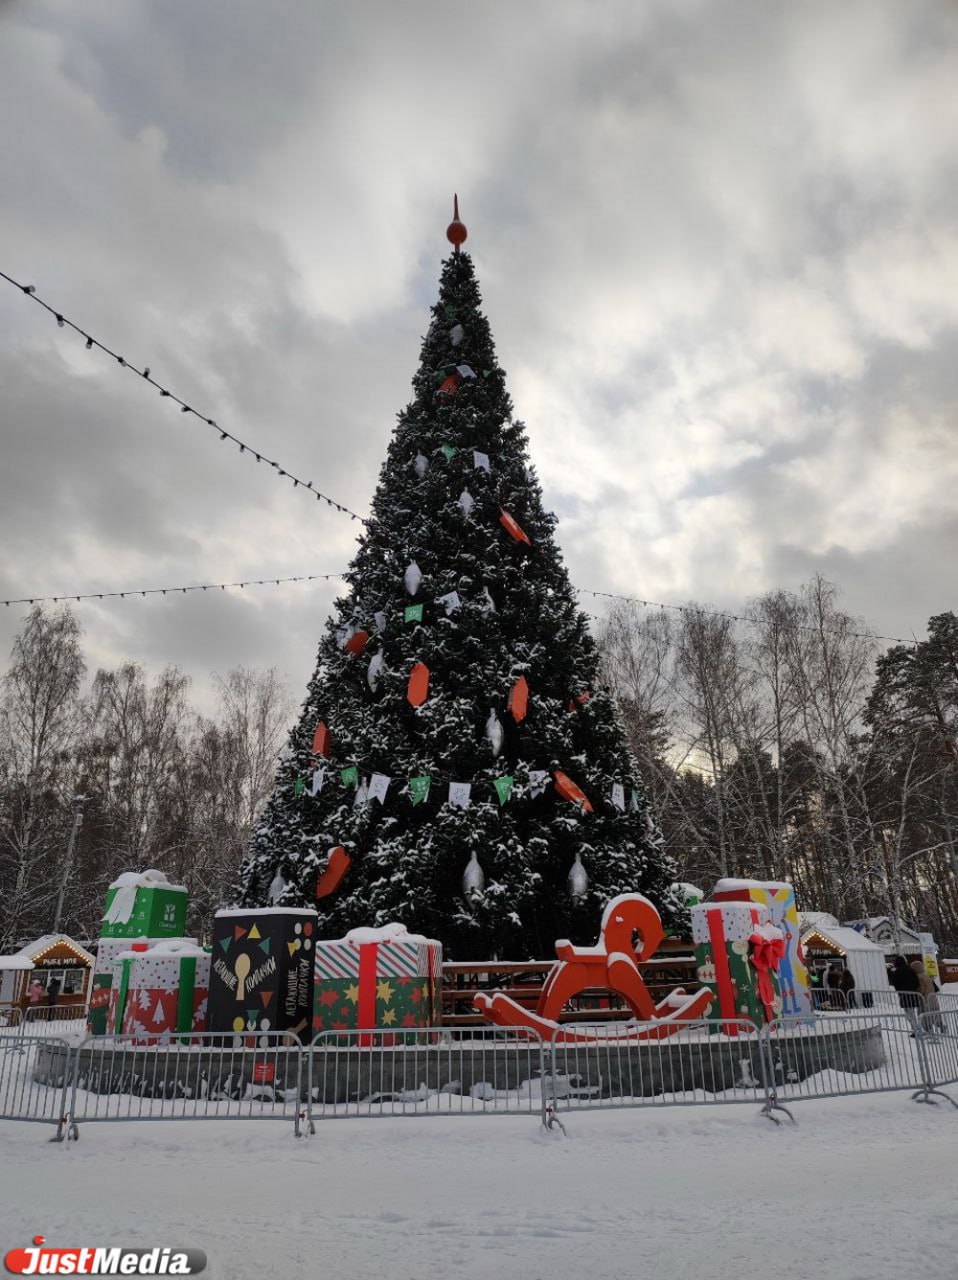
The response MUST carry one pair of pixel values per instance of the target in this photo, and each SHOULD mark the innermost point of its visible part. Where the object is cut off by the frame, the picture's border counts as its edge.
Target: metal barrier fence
(479, 1071)
(842, 1054)
(202, 1076)
(940, 1048)
(426, 1071)
(53, 1019)
(35, 1075)
(10, 1015)
(863, 1000)
(697, 1065)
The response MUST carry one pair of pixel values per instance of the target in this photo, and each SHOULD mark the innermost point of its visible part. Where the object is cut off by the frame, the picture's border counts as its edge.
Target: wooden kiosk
(52, 958)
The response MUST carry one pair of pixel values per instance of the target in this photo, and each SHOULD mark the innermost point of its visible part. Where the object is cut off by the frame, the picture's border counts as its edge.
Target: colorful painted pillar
(779, 898)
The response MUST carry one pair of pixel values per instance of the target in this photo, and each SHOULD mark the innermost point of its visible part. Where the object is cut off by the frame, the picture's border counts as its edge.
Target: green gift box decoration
(731, 941)
(144, 905)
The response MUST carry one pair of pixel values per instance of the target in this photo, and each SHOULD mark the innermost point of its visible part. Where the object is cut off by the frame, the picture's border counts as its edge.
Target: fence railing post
(550, 1119)
(767, 1066)
(924, 1094)
(66, 1126)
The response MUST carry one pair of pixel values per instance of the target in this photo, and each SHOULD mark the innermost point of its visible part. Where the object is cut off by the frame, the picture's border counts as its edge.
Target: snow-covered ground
(862, 1189)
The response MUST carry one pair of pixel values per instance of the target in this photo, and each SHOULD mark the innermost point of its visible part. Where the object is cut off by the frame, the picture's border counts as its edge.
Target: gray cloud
(717, 244)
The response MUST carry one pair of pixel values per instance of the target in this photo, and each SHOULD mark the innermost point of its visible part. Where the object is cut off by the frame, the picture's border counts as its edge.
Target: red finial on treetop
(456, 231)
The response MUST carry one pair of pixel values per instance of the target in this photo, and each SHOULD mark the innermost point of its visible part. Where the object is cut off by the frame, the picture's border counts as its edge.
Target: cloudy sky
(718, 245)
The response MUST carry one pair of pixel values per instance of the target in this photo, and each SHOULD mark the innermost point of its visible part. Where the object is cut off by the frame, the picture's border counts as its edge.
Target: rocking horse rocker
(612, 965)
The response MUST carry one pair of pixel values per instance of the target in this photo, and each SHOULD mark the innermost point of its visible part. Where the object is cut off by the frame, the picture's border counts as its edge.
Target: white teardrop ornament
(578, 879)
(473, 878)
(495, 732)
(374, 671)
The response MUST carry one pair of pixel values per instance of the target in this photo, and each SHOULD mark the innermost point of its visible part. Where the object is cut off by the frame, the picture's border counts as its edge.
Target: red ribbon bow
(765, 954)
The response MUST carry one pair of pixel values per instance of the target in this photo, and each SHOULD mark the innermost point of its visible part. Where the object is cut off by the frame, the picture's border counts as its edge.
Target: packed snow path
(861, 1189)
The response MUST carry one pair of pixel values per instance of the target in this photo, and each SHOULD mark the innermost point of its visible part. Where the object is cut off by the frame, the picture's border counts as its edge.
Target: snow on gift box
(164, 990)
(737, 954)
(779, 897)
(377, 978)
(144, 904)
(261, 977)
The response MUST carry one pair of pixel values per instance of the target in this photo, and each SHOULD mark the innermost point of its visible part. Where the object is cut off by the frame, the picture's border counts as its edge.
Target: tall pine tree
(457, 596)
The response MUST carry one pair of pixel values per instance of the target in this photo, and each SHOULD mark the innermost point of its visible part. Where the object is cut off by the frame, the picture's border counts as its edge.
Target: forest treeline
(795, 746)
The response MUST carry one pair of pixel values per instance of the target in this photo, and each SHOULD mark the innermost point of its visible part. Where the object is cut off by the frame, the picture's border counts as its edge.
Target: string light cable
(65, 323)
(144, 373)
(749, 619)
(170, 591)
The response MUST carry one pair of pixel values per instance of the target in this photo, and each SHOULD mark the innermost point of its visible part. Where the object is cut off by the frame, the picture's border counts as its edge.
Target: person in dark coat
(53, 994)
(836, 997)
(906, 983)
(846, 985)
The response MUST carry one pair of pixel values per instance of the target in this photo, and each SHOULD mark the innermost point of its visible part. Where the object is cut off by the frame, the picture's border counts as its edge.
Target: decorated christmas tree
(456, 766)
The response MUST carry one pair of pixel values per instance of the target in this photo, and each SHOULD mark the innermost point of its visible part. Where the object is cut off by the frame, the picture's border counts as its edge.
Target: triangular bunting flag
(503, 788)
(378, 786)
(459, 793)
(238, 932)
(266, 996)
(538, 781)
(254, 933)
(450, 602)
(419, 788)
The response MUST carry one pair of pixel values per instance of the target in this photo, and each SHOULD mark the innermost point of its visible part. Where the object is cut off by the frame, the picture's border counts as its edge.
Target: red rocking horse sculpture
(612, 965)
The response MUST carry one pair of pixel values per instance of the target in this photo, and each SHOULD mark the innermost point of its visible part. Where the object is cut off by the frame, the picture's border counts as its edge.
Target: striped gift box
(396, 957)
(375, 978)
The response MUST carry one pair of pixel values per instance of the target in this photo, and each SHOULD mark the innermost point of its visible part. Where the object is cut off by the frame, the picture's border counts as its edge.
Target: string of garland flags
(459, 794)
